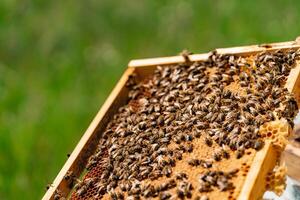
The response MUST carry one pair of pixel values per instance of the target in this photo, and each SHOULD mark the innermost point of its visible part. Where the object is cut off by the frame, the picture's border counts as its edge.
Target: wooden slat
(89, 140)
(293, 81)
(291, 157)
(252, 49)
(254, 185)
(243, 50)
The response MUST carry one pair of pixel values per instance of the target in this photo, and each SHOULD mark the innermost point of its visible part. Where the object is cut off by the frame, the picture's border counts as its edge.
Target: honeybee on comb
(195, 116)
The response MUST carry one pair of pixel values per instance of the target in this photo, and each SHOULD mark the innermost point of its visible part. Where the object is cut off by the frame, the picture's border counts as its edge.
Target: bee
(244, 76)
(181, 148)
(184, 190)
(157, 108)
(233, 172)
(207, 164)
(225, 109)
(227, 78)
(236, 130)
(197, 133)
(167, 171)
(113, 195)
(259, 85)
(225, 153)
(163, 187)
(169, 98)
(244, 83)
(194, 162)
(92, 162)
(232, 71)
(258, 144)
(197, 198)
(211, 179)
(185, 54)
(70, 178)
(285, 68)
(204, 187)
(177, 105)
(232, 115)
(113, 183)
(123, 187)
(171, 184)
(229, 126)
(226, 101)
(171, 109)
(202, 125)
(209, 116)
(177, 139)
(58, 195)
(169, 120)
(48, 186)
(220, 117)
(188, 138)
(82, 190)
(253, 111)
(223, 185)
(216, 77)
(142, 125)
(214, 117)
(227, 94)
(120, 195)
(185, 99)
(270, 116)
(164, 196)
(239, 153)
(149, 192)
(217, 156)
(181, 176)
(178, 155)
(180, 193)
(160, 120)
(189, 147)
(240, 98)
(208, 141)
(135, 189)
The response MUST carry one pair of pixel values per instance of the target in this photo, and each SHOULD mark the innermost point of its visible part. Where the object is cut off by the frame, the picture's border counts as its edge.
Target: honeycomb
(276, 180)
(95, 171)
(276, 131)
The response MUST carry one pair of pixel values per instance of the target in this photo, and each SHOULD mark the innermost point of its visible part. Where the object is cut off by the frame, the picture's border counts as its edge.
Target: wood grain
(239, 51)
(254, 185)
(291, 157)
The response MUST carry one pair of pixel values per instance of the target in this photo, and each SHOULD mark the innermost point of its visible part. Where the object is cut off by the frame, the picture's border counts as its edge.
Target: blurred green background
(60, 59)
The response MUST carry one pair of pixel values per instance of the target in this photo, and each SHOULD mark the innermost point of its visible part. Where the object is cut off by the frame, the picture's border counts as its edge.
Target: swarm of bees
(183, 103)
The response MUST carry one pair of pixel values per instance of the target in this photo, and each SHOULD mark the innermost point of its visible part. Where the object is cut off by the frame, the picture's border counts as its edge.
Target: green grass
(60, 59)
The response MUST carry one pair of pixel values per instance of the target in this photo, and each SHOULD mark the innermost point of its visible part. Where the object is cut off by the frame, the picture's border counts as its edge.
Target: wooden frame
(292, 159)
(117, 98)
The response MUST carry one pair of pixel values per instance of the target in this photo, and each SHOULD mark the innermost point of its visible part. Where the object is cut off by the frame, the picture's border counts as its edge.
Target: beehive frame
(263, 162)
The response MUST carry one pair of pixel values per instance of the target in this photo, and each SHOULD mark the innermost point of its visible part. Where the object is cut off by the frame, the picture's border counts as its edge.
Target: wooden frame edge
(242, 50)
(291, 157)
(264, 160)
